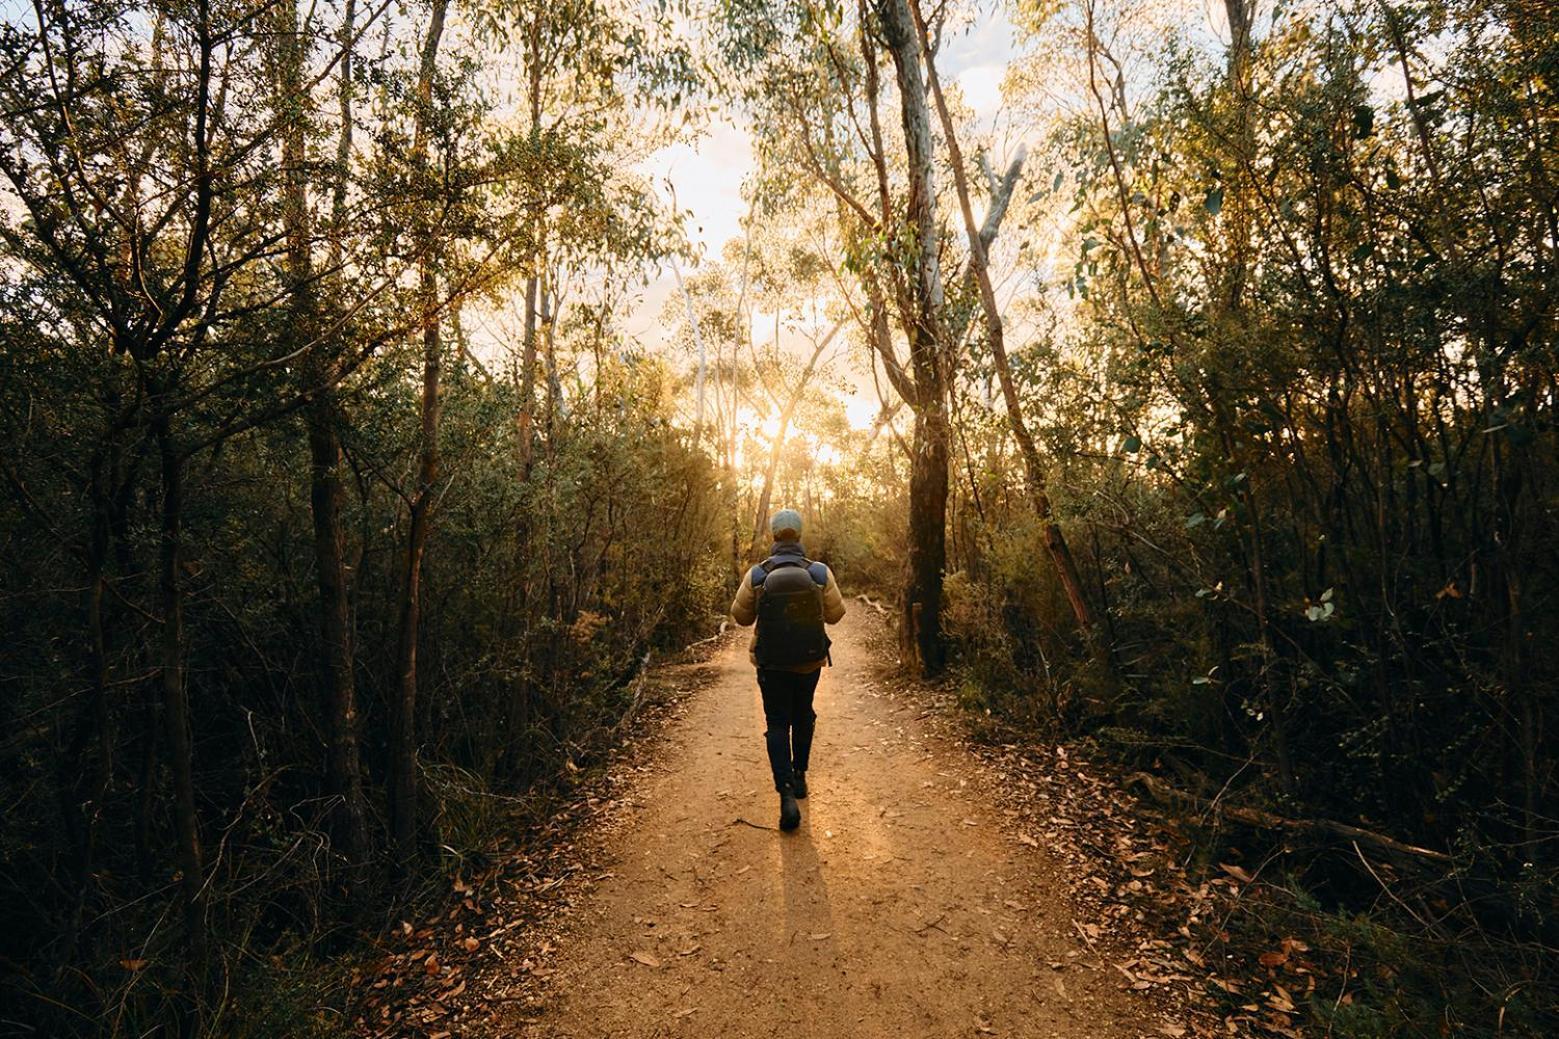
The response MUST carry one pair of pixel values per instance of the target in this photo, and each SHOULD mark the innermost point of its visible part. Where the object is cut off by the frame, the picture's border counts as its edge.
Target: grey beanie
(785, 519)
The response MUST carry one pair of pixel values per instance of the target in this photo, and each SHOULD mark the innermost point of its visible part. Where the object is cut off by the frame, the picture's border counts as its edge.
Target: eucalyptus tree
(813, 73)
(136, 158)
(995, 333)
(1311, 265)
(314, 329)
(159, 219)
(596, 86)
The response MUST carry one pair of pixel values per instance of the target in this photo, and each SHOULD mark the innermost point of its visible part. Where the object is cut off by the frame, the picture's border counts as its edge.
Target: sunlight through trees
(1185, 376)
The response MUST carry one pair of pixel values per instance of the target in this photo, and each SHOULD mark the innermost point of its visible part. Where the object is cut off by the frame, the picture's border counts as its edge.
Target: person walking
(789, 598)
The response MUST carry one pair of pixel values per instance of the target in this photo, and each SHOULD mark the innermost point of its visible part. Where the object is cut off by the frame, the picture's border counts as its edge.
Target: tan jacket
(744, 611)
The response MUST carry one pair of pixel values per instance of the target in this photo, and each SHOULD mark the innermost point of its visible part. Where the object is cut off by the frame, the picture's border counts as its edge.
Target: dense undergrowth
(542, 601)
(1407, 733)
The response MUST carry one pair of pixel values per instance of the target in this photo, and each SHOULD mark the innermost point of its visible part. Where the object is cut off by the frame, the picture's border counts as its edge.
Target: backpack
(790, 611)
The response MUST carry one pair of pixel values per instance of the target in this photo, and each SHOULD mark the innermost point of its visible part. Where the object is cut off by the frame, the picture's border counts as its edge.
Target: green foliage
(231, 238)
(1300, 415)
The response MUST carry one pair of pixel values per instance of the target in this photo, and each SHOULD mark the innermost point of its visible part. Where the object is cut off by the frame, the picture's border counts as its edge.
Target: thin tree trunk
(698, 339)
(526, 420)
(343, 774)
(343, 762)
(403, 755)
(175, 697)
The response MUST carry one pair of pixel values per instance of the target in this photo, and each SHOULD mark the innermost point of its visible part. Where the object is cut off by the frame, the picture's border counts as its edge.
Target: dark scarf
(787, 550)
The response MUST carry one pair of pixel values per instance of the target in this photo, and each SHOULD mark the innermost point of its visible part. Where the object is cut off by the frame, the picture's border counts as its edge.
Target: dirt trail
(901, 907)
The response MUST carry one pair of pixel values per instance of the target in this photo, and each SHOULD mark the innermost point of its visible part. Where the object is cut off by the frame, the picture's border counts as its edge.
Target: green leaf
(1363, 122)
(1132, 445)
(1213, 203)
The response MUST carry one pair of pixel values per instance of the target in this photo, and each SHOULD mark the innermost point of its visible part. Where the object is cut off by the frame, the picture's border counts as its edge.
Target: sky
(708, 174)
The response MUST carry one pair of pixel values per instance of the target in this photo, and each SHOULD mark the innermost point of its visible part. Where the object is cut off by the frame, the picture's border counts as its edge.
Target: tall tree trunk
(403, 751)
(526, 420)
(979, 267)
(343, 772)
(698, 340)
(927, 556)
(343, 760)
(1239, 217)
(175, 698)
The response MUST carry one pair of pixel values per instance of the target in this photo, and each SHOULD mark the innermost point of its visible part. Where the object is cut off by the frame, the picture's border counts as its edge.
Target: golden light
(861, 413)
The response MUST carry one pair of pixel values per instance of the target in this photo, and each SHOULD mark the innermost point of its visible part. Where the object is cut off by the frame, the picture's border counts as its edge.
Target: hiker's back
(790, 631)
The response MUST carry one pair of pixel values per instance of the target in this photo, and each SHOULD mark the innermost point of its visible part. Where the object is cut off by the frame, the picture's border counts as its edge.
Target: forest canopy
(373, 411)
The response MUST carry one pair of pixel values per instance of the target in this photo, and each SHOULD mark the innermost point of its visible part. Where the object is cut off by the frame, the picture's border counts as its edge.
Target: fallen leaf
(1236, 872)
(821, 936)
(133, 964)
(471, 944)
(644, 958)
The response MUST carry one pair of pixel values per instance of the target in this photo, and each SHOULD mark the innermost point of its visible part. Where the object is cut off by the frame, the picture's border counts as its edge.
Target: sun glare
(861, 413)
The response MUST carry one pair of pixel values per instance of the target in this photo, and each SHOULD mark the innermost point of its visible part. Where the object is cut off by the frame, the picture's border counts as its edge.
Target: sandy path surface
(902, 907)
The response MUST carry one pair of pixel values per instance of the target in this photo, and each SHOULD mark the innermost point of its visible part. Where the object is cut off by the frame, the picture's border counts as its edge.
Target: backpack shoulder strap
(773, 563)
(818, 571)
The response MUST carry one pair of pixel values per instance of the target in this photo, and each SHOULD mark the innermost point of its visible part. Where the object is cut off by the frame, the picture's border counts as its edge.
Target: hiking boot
(799, 785)
(790, 811)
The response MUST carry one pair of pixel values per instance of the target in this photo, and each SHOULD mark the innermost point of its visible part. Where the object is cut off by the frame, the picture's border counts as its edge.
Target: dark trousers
(787, 707)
